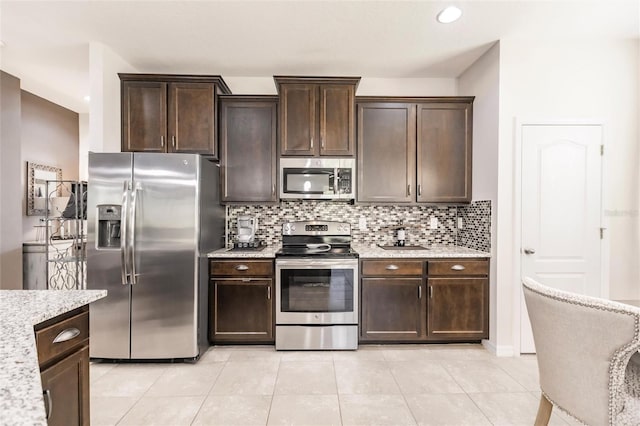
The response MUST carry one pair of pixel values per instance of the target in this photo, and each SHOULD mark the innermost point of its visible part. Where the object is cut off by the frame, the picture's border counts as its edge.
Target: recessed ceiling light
(87, 98)
(2, 43)
(449, 15)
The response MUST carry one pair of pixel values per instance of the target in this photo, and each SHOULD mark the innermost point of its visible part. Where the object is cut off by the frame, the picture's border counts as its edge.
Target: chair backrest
(583, 345)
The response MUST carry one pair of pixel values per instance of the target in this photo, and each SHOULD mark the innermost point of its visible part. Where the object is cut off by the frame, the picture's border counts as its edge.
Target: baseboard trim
(504, 351)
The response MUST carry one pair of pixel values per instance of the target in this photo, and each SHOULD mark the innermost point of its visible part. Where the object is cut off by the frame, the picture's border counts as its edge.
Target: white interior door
(561, 211)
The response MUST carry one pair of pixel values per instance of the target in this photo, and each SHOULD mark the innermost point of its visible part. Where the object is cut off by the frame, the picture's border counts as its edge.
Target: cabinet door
(66, 390)
(391, 309)
(248, 150)
(444, 152)
(144, 116)
(298, 121)
(192, 118)
(386, 152)
(241, 310)
(458, 308)
(337, 119)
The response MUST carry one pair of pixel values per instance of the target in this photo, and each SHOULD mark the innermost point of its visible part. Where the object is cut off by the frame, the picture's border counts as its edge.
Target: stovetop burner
(316, 239)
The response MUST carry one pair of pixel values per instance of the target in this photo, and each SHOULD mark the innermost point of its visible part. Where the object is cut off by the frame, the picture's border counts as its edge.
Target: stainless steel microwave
(317, 178)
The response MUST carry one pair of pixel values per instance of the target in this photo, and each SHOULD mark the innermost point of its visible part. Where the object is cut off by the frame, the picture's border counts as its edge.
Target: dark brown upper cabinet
(317, 115)
(170, 113)
(248, 127)
(414, 149)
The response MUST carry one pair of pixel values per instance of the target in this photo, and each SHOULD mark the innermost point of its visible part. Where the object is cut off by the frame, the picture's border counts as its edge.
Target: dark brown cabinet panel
(458, 308)
(63, 357)
(386, 152)
(444, 152)
(65, 387)
(337, 120)
(192, 116)
(248, 148)
(317, 116)
(144, 116)
(391, 309)
(241, 302)
(414, 149)
(241, 310)
(298, 121)
(170, 113)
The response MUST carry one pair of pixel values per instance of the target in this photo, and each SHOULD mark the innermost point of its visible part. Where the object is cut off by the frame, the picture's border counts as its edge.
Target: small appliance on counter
(246, 234)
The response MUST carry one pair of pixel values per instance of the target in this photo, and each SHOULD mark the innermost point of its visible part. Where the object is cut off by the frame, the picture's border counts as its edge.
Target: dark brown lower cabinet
(65, 385)
(241, 310)
(458, 308)
(412, 300)
(391, 309)
(63, 356)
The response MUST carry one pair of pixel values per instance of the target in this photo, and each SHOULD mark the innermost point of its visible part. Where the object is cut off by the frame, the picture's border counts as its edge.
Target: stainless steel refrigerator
(151, 220)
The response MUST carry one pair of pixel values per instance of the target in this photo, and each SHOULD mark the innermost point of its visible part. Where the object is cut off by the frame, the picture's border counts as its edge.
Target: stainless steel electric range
(316, 287)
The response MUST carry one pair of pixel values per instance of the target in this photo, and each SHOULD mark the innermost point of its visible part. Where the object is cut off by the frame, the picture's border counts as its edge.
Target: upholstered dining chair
(588, 359)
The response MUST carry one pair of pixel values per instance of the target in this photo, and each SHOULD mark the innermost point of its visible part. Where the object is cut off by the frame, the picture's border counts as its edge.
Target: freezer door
(164, 292)
(110, 317)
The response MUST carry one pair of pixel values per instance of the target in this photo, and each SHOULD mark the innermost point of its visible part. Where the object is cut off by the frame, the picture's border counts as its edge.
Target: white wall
(482, 80)
(104, 106)
(369, 86)
(10, 189)
(572, 80)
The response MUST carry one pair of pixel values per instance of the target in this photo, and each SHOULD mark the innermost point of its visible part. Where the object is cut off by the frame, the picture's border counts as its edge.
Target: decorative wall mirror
(37, 177)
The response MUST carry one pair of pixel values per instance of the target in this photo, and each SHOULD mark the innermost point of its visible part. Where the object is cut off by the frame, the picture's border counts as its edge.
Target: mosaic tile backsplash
(380, 221)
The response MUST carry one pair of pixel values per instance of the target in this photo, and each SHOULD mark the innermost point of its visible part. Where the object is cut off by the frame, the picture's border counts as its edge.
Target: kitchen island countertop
(435, 251)
(21, 399)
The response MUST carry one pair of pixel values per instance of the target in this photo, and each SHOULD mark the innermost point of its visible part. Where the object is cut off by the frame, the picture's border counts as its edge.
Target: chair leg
(544, 412)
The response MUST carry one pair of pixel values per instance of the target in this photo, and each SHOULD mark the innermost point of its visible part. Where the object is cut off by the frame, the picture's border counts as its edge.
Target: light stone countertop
(21, 399)
(267, 252)
(435, 251)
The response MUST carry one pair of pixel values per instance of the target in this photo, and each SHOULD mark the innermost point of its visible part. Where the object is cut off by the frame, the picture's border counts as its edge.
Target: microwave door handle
(335, 180)
(124, 252)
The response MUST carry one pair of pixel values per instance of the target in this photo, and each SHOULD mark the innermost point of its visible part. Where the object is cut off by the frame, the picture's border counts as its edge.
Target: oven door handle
(308, 263)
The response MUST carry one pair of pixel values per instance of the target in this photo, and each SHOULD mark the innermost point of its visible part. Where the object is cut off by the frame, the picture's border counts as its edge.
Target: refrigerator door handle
(124, 248)
(132, 238)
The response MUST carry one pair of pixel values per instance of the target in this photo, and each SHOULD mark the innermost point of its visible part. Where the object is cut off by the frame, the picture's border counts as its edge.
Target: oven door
(316, 291)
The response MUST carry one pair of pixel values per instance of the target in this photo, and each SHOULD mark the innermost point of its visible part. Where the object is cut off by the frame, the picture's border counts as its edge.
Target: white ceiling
(47, 42)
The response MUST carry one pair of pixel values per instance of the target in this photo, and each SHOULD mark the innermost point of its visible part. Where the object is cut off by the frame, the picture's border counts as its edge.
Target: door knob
(529, 251)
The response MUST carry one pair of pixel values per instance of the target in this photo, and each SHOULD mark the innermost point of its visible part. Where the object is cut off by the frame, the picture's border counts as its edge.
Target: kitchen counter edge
(21, 399)
(436, 251)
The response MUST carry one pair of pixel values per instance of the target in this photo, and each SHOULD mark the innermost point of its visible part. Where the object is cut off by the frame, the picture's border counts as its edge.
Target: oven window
(319, 290)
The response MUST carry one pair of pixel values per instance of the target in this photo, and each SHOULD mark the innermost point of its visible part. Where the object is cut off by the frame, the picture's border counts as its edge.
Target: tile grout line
(335, 377)
(273, 391)
(210, 389)
(404, 397)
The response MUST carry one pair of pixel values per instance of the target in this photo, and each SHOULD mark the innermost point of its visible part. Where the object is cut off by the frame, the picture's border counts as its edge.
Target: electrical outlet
(362, 223)
(433, 223)
(459, 223)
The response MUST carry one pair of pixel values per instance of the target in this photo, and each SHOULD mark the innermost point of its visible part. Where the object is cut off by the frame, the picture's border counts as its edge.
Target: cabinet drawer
(62, 337)
(391, 267)
(241, 268)
(458, 267)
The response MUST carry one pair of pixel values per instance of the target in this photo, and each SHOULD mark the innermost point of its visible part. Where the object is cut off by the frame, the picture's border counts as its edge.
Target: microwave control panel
(344, 181)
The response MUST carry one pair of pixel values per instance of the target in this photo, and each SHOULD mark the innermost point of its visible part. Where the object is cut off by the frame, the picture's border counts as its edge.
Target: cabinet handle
(457, 268)
(242, 268)
(273, 189)
(269, 293)
(420, 291)
(391, 267)
(66, 335)
(162, 141)
(322, 142)
(419, 190)
(173, 141)
(430, 292)
(409, 189)
(311, 143)
(48, 403)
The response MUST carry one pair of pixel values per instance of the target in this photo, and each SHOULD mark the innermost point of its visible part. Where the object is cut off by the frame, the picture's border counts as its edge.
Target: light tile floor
(376, 385)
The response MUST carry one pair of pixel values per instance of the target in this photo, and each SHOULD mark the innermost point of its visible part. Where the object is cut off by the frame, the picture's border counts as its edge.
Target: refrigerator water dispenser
(109, 226)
